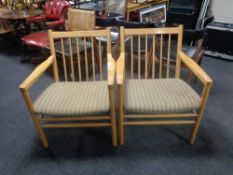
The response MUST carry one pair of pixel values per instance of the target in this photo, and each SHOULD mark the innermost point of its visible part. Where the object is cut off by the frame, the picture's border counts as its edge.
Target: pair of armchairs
(88, 98)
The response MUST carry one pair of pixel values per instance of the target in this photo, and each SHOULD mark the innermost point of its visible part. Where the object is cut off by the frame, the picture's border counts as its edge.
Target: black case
(183, 12)
(220, 40)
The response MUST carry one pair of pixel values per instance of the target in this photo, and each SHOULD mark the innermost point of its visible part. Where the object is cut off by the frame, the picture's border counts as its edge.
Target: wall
(222, 10)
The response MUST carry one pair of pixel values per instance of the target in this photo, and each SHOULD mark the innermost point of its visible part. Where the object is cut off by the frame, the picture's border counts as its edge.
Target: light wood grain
(194, 67)
(161, 38)
(75, 42)
(36, 74)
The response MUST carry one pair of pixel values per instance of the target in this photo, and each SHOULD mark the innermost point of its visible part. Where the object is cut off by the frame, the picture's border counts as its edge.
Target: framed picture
(154, 14)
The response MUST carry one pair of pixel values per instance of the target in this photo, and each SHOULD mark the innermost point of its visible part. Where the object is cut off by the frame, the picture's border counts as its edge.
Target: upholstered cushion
(159, 96)
(74, 99)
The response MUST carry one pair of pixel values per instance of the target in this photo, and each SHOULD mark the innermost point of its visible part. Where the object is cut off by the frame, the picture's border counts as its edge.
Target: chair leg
(121, 129)
(195, 130)
(121, 115)
(190, 77)
(113, 115)
(114, 132)
(40, 132)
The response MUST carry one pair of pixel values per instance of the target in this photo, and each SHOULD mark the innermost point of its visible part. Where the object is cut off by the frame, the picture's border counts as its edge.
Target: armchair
(54, 16)
(159, 98)
(73, 101)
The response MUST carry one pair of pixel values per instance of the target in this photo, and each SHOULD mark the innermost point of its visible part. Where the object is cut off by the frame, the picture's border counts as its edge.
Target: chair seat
(156, 96)
(73, 99)
(39, 39)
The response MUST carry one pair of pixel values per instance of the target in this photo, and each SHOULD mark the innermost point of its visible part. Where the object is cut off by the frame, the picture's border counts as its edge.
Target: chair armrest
(56, 23)
(195, 68)
(36, 74)
(36, 19)
(120, 69)
(111, 70)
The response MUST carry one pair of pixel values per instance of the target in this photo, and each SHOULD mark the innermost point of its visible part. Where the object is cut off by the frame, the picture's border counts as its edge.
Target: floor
(148, 150)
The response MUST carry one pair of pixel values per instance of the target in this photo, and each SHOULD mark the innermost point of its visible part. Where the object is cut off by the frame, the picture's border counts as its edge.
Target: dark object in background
(219, 42)
(183, 12)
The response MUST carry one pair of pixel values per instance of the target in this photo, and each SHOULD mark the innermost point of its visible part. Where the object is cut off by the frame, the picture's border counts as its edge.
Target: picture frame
(154, 14)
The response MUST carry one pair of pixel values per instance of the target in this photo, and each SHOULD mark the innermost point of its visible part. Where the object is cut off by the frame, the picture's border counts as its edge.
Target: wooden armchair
(158, 97)
(76, 98)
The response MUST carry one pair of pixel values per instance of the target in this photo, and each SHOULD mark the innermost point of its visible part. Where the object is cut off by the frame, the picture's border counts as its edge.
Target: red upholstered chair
(37, 40)
(54, 16)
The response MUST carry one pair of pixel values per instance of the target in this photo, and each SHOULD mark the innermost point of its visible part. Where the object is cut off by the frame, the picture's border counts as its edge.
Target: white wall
(222, 10)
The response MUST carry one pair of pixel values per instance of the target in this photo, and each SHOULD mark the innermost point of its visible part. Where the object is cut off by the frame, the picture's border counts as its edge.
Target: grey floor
(148, 150)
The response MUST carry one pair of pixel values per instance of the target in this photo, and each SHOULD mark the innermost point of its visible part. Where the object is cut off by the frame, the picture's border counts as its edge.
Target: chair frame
(71, 122)
(161, 119)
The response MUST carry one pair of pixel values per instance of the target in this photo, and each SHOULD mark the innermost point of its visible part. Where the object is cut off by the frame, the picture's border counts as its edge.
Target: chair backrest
(54, 9)
(78, 55)
(157, 46)
(81, 19)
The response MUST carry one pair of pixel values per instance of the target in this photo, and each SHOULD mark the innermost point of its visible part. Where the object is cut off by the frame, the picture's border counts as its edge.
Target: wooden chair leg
(114, 132)
(195, 128)
(121, 115)
(40, 132)
(190, 77)
(121, 129)
(113, 115)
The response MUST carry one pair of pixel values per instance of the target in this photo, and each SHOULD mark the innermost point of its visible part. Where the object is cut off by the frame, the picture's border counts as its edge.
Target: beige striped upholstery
(156, 96)
(74, 99)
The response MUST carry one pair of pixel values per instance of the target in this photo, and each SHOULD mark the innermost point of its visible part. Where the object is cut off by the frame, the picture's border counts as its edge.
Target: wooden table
(18, 17)
(4, 24)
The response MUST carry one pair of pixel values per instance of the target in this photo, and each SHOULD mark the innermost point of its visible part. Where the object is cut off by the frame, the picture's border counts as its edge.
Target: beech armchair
(159, 97)
(79, 97)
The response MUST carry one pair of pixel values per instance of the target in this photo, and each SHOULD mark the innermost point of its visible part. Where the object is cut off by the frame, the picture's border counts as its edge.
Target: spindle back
(79, 55)
(149, 51)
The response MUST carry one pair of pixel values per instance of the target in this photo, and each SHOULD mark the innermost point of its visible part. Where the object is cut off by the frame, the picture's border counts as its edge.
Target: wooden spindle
(168, 55)
(146, 55)
(139, 57)
(161, 57)
(63, 59)
(100, 61)
(153, 57)
(79, 60)
(93, 57)
(131, 54)
(71, 60)
(85, 54)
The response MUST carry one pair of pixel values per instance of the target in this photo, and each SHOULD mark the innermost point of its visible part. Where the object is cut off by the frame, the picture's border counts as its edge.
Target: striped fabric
(159, 96)
(74, 99)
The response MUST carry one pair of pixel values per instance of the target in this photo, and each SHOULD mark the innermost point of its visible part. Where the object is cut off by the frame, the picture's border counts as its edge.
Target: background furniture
(4, 24)
(159, 97)
(54, 14)
(183, 12)
(37, 40)
(219, 43)
(19, 19)
(81, 19)
(72, 100)
(131, 6)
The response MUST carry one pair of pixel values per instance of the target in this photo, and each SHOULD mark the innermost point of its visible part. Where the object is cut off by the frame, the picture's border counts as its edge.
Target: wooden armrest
(195, 68)
(111, 70)
(36, 74)
(120, 69)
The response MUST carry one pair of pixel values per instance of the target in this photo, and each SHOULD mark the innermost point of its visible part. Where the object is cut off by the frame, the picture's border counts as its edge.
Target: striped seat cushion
(159, 96)
(74, 99)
